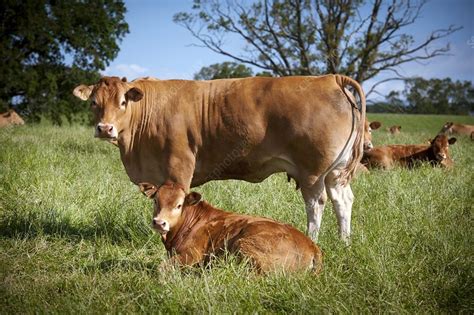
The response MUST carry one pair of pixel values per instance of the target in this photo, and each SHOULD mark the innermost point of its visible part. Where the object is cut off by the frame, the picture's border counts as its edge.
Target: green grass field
(75, 235)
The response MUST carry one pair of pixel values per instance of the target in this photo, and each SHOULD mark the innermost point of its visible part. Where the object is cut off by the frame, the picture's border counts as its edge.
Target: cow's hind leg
(342, 199)
(315, 199)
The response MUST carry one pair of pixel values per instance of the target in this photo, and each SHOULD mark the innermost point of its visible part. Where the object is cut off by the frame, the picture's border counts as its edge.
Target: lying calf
(193, 231)
(437, 153)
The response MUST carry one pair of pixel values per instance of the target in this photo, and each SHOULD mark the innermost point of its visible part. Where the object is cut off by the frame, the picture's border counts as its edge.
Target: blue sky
(158, 47)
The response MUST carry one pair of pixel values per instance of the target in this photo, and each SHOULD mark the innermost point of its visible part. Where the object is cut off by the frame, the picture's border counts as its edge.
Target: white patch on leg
(342, 199)
(315, 198)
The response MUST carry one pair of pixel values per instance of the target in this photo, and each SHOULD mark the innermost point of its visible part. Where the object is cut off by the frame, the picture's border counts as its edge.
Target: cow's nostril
(154, 221)
(98, 128)
(111, 128)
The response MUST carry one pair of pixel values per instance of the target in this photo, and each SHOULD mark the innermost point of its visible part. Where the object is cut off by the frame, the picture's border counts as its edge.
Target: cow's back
(275, 246)
(269, 245)
(463, 129)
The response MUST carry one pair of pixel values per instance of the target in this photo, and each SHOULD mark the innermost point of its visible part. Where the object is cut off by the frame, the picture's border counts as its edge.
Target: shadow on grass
(111, 265)
(27, 227)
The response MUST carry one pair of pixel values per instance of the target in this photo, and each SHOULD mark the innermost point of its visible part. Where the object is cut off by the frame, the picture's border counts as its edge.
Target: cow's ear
(134, 94)
(452, 140)
(375, 125)
(83, 91)
(192, 198)
(148, 189)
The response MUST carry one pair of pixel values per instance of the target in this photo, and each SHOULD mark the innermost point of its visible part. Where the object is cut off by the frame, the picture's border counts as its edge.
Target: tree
(48, 46)
(434, 96)
(303, 37)
(223, 71)
(439, 96)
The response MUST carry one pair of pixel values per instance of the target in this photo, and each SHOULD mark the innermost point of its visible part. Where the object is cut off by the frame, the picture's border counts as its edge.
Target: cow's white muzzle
(106, 131)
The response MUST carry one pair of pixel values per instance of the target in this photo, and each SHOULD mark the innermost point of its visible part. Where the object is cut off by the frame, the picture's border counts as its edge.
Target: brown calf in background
(10, 118)
(459, 129)
(437, 153)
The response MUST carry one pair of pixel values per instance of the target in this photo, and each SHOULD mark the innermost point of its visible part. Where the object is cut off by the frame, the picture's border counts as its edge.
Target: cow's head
(170, 200)
(440, 146)
(395, 130)
(368, 133)
(13, 118)
(110, 99)
(447, 128)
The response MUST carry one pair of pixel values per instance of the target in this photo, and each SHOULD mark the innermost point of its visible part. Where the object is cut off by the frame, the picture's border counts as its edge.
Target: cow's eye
(94, 104)
(179, 206)
(123, 103)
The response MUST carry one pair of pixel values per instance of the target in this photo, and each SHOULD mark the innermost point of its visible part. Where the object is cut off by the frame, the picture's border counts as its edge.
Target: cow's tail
(358, 122)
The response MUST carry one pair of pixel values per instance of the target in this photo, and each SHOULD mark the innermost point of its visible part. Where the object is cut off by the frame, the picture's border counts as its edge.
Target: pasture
(75, 235)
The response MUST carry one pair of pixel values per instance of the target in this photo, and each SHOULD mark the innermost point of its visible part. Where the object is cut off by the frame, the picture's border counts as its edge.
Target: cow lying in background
(10, 118)
(395, 130)
(437, 153)
(193, 232)
(459, 129)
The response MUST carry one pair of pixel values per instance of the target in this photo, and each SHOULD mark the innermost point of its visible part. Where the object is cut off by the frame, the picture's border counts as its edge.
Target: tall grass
(75, 235)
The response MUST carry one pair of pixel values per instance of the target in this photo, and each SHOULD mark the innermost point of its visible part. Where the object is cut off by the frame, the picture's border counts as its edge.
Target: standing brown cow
(193, 232)
(10, 118)
(192, 132)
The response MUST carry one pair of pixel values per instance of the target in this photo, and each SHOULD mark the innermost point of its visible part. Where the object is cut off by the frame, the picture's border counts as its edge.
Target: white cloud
(131, 71)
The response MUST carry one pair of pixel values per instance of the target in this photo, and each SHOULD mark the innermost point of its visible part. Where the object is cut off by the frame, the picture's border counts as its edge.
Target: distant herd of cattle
(177, 134)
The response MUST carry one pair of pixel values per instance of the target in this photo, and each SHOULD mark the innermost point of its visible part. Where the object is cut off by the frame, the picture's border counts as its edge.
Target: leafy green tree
(303, 37)
(433, 96)
(223, 70)
(439, 96)
(48, 46)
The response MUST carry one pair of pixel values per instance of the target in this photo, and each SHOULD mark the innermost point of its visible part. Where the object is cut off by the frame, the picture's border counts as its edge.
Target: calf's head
(440, 146)
(110, 99)
(12, 118)
(170, 203)
(368, 133)
(447, 128)
(395, 130)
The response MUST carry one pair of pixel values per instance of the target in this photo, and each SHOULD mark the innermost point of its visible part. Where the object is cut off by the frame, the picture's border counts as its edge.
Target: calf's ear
(452, 140)
(192, 198)
(375, 125)
(148, 189)
(83, 91)
(134, 94)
